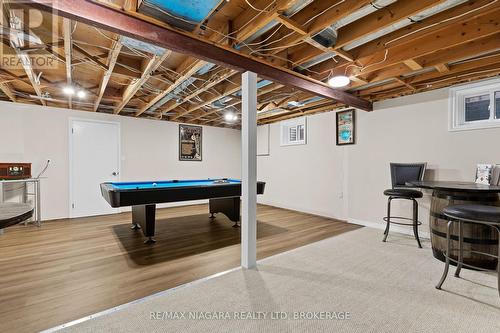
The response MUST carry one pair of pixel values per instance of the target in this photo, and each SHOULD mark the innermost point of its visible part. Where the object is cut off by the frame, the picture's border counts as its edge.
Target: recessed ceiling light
(69, 90)
(339, 81)
(81, 94)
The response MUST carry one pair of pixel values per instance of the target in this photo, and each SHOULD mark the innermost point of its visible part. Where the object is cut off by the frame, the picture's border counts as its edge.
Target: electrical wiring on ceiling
(229, 35)
(257, 9)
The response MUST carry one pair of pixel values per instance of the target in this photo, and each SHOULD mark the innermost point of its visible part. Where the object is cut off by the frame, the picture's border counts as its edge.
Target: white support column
(249, 170)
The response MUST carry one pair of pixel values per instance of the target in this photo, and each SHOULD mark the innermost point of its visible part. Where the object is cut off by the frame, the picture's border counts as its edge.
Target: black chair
(401, 174)
(481, 214)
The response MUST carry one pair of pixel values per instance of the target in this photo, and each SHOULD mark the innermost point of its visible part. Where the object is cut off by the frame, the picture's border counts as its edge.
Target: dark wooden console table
(476, 237)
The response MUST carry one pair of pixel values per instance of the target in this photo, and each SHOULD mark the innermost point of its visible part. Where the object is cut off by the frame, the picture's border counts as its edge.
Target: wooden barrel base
(476, 237)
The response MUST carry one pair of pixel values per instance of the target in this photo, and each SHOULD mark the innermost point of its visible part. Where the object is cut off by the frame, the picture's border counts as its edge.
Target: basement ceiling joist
(388, 48)
(110, 19)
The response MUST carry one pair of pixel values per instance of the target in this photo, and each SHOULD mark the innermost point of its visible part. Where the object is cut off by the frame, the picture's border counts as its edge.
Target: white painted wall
(306, 177)
(30, 133)
(311, 178)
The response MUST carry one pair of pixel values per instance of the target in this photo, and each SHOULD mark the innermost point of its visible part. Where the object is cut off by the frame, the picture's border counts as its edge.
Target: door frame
(71, 120)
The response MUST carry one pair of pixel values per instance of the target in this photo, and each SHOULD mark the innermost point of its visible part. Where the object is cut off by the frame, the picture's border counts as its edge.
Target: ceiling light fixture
(81, 94)
(338, 81)
(230, 117)
(69, 90)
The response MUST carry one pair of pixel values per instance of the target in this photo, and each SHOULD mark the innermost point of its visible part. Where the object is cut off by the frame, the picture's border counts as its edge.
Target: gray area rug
(348, 283)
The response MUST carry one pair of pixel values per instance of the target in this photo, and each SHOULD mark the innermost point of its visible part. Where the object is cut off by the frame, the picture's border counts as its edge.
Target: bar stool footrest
(385, 218)
(468, 265)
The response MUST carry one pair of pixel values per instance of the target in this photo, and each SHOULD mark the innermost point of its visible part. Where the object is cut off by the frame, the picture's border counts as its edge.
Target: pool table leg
(144, 216)
(150, 240)
(227, 206)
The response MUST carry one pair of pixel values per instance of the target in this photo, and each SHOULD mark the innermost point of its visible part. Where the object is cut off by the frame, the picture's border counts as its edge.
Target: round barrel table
(477, 238)
(14, 213)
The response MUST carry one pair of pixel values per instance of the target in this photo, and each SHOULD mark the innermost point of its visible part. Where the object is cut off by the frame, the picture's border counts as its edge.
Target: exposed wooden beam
(127, 24)
(68, 46)
(292, 25)
(426, 27)
(259, 21)
(92, 58)
(357, 80)
(251, 21)
(269, 106)
(196, 66)
(16, 44)
(345, 55)
(151, 66)
(382, 18)
(455, 22)
(462, 51)
(112, 58)
(475, 65)
(203, 87)
(314, 105)
(326, 13)
(265, 90)
(403, 82)
(131, 5)
(295, 114)
(191, 66)
(461, 33)
(470, 50)
(464, 72)
(7, 90)
(442, 68)
(412, 64)
(227, 89)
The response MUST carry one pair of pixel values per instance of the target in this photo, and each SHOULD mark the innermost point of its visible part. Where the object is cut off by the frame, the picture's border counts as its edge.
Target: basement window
(475, 106)
(293, 132)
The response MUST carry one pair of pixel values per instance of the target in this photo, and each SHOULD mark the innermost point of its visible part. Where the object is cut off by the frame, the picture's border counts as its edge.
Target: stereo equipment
(15, 170)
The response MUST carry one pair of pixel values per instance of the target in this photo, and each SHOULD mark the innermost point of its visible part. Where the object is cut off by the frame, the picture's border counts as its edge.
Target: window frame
(457, 99)
(285, 127)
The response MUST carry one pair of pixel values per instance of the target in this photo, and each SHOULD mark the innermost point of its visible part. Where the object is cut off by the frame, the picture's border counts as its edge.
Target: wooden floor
(68, 269)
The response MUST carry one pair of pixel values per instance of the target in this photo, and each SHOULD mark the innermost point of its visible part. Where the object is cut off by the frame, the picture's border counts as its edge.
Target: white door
(94, 159)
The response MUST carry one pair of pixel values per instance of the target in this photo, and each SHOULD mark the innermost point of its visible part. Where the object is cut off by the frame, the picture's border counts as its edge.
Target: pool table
(223, 194)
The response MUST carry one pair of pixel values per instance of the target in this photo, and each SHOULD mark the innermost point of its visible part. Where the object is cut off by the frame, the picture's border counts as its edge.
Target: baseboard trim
(394, 227)
(303, 211)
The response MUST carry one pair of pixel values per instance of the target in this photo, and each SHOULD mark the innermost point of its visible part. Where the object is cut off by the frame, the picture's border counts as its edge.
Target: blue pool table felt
(170, 183)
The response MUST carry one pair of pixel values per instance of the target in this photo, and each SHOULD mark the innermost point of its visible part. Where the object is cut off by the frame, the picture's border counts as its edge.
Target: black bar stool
(481, 214)
(402, 173)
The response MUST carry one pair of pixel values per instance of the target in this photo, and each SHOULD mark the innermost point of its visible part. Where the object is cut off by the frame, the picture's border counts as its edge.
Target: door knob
(115, 173)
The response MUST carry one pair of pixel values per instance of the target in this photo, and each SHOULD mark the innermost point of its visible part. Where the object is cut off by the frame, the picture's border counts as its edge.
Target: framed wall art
(346, 125)
(190, 143)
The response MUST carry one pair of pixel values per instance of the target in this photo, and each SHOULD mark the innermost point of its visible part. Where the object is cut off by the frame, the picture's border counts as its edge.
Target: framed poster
(346, 124)
(190, 142)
